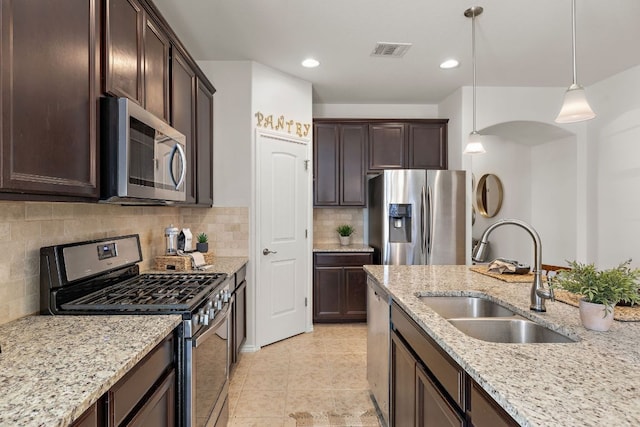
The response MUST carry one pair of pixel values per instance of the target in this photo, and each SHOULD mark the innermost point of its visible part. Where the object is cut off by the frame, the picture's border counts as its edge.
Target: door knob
(266, 251)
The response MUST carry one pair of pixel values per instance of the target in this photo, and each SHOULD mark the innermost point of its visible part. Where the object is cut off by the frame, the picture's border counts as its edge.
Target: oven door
(207, 373)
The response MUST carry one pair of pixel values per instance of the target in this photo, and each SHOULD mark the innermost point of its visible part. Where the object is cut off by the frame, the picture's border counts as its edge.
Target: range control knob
(218, 304)
(194, 321)
(226, 295)
(204, 316)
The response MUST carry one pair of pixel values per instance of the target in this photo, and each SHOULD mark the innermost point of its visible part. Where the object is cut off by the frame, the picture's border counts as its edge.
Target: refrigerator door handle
(429, 220)
(423, 221)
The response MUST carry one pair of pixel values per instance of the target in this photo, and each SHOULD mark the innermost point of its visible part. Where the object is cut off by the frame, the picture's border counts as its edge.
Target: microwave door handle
(178, 149)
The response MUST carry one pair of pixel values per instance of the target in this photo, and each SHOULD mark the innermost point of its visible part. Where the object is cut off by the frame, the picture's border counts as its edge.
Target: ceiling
(518, 43)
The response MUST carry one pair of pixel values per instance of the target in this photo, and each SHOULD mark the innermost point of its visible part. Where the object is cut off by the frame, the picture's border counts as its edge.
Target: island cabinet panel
(136, 56)
(403, 384)
(49, 56)
(442, 392)
(432, 407)
(483, 411)
(387, 146)
(340, 287)
(92, 417)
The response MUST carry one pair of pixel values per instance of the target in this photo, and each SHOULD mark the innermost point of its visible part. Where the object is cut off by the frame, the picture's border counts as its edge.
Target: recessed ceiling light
(310, 63)
(449, 63)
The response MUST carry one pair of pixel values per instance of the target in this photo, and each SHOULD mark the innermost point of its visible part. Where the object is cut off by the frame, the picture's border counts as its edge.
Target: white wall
(232, 131)
(510, 162)
(554, 199)
(615, 135)
(373, 111)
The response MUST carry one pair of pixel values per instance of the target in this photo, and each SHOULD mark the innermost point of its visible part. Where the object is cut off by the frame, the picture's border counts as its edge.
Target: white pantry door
(283, 199)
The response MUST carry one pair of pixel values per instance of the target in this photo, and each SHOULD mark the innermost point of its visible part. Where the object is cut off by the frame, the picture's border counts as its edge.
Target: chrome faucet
(538, 292)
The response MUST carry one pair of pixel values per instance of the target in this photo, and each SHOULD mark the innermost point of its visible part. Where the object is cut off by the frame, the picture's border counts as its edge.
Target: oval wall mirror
(489, 195)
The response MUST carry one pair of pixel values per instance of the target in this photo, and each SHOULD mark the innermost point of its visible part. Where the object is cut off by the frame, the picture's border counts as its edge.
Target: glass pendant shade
(474, 146)
(575, 107)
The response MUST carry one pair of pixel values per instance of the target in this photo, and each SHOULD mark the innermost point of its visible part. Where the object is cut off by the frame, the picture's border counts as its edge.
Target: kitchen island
(53, 368)
(591, 382)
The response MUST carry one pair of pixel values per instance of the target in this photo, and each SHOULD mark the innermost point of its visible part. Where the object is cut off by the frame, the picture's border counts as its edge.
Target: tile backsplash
(325, 222)
(28, 226)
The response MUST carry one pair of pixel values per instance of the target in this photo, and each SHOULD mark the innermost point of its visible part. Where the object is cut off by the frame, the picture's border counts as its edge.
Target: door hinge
(306, 165)
(306, 233)
(305, 301)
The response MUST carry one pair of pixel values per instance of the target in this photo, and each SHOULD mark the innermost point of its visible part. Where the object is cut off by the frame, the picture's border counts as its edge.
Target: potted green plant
(345, 231)
(203, 243)
(601, 290)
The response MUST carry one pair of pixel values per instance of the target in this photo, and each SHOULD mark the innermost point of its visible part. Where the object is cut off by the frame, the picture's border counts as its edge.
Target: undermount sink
(487, 320)
(456, 307)
(504, 330)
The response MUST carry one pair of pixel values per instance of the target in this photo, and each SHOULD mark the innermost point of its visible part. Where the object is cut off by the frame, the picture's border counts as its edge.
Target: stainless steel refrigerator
(418, 216)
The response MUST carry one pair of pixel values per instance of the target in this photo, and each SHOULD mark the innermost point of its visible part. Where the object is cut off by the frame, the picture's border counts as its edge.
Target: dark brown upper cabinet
(49, 57)
(427, 146)
(136, 56)
(408, 144)
(387, 146)
(204, 146)
(183, 113)
(339, 164)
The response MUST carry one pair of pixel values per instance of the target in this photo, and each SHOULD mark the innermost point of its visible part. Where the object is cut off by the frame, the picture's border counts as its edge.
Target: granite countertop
(336, 247)
(53, 368)
(221, 264)
(228, 265)
(592, 382)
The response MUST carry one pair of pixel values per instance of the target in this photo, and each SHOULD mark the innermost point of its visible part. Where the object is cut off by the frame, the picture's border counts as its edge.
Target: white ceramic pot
(345, 240)
(594, 316)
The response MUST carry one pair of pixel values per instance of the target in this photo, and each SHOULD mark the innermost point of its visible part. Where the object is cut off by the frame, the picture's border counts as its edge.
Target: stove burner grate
(150, 292)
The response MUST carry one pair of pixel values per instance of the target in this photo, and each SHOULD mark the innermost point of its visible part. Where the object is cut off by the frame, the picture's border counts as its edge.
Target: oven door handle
(213, 328)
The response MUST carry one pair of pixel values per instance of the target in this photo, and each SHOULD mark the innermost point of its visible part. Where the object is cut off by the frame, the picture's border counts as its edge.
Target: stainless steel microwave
(143, 159)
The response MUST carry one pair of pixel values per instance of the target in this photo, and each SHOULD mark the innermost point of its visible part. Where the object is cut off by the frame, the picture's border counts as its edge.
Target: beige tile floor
(319, 372)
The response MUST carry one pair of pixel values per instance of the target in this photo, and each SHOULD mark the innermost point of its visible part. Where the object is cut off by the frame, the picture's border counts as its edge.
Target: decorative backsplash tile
(325, 222)
(28, 226)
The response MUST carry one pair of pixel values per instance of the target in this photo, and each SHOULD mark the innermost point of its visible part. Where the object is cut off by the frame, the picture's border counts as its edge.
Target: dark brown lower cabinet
(403, 380)
(429, 389)
(482, 410)
(432, 407)
(340, 286)
(92, 417)
(239, 316)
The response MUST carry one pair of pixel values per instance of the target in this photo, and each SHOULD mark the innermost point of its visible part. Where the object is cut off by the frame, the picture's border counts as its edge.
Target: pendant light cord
(573, 40)
(473, 54)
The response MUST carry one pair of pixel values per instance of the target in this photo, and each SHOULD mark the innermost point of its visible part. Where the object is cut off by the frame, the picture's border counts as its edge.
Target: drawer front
(131, 389)
(342, 259)
(446, 371)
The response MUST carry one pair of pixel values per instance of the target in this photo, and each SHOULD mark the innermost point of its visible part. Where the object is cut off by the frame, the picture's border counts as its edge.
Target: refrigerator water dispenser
(399, 223)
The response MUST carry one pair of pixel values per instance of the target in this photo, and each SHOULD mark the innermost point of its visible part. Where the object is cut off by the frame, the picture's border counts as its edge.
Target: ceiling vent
(390, 50)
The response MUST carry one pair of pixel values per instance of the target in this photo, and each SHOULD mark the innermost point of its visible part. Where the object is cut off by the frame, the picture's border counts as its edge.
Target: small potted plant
(203, 243)
(345, 231)
(600, 291)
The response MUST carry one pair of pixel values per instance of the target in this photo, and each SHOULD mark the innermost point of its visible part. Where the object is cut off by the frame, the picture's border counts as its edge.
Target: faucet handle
(551, 276)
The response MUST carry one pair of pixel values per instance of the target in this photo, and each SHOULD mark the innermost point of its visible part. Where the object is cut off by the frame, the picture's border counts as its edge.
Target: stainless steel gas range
(102, 277)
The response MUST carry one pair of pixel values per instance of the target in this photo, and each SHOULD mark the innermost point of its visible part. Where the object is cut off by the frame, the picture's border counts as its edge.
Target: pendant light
(474, 145)
(575, 107)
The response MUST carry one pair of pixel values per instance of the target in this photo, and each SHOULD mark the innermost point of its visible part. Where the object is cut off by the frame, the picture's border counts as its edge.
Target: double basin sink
(489, 321)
